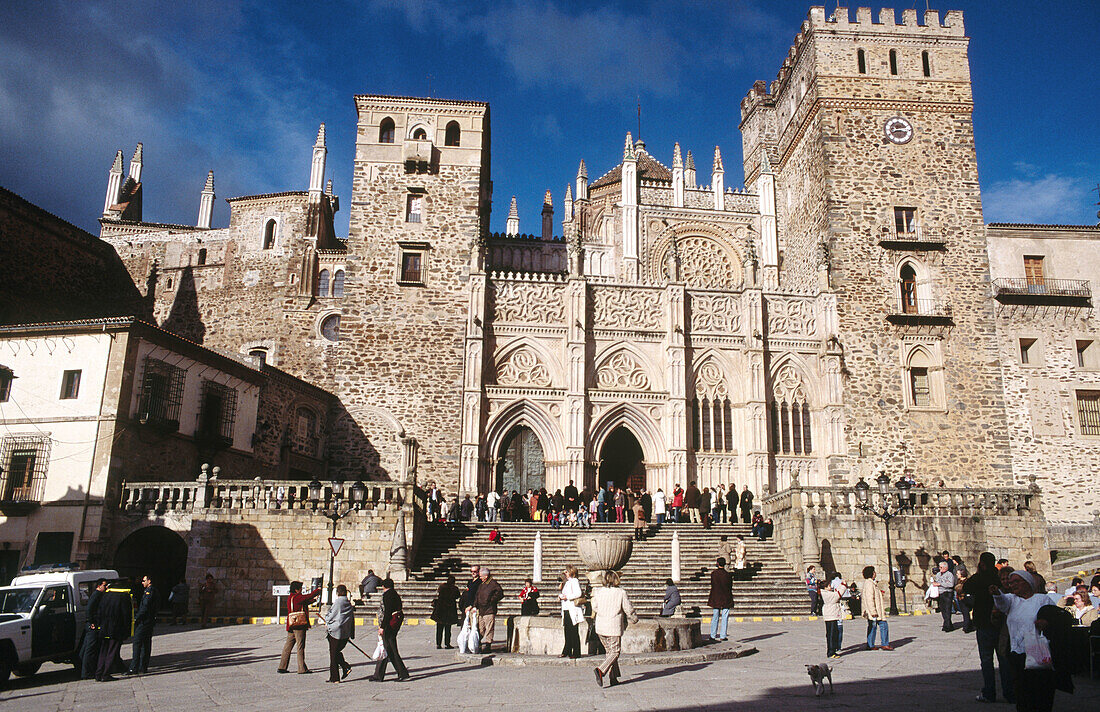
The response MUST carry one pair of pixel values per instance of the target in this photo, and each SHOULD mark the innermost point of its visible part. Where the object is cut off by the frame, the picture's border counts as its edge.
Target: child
(555, 519)
(496, 536)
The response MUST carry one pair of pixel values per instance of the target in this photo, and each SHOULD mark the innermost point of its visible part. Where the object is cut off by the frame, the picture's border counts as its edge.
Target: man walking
(489, 594)
(746, 505)
(390, 617)
(115, 614)
(945, 582)
(988, 629)
(144, 621)
(492, 500)
(691, 501)
(93, 638)
(720, 599)
(340, 625)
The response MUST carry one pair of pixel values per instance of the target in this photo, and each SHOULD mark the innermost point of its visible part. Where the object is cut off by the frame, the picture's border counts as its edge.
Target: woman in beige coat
(874, 610)
(609, 605)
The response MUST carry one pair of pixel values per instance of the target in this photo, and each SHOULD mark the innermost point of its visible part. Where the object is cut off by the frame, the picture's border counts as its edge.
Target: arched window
(711, 411)
(894, 62)
(269, 234)
(385, 131)
(790, 415)
(919, 383)
(338, 283)
(260, 355)
(202, 255)
(453, 134)
(330, 328)
(926, 63)
(419, 134)
(861, 61)
(908, 285)
(322, 283)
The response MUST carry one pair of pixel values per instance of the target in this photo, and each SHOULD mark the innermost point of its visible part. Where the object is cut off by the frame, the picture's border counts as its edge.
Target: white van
(42, 617)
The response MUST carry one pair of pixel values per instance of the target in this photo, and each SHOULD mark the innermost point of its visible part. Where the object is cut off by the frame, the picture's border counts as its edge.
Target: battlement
(840, 21)
(524, 237)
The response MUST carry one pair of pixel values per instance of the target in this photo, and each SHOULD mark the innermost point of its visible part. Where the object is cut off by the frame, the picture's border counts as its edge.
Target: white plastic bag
(1037, 651)
(468, 639)
(933, 592)
(379, 650)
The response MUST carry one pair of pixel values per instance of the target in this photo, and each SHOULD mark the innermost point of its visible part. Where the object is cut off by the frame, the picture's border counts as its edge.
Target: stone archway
(521, 462)
(622, 461)
(154, 550)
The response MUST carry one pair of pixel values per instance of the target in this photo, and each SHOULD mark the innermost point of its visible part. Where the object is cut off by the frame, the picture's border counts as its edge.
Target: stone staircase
(772, 590)
(1084, 565)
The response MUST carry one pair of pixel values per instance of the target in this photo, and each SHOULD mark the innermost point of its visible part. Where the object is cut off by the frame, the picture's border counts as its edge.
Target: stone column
(575, 414)
(676, 421)
(474, 475)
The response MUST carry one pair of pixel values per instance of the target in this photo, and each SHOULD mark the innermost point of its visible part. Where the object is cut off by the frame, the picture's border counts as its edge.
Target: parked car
(42, 618)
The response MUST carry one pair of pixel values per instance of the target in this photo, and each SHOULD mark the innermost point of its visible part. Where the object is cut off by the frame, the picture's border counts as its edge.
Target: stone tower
(868, 130)
(419, 210)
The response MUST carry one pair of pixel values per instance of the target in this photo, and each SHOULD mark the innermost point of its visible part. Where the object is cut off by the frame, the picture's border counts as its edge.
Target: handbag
(298, 619)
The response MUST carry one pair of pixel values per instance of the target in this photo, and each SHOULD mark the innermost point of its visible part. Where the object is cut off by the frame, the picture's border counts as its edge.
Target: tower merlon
(839, 20)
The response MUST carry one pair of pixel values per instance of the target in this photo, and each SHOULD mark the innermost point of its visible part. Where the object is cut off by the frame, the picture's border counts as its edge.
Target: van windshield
(18, 600)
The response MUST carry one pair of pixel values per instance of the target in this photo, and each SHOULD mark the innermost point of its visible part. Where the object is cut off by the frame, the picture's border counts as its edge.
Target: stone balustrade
(939, 501)
(257, 494)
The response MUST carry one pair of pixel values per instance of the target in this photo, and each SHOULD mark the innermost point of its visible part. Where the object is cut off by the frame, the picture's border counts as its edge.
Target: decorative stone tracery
(715, 313)
(791, 317)
(528, 303)
(523, 368)
(627, 308)
(622, 372)
(703, 263)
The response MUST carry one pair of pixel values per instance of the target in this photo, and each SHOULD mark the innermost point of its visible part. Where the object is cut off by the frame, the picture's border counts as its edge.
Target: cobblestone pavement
(235, 667)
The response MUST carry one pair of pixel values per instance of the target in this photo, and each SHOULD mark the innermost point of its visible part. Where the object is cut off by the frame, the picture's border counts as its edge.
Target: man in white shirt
(492, 501)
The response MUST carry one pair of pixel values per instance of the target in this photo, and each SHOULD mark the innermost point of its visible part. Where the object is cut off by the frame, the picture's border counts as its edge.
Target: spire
(582, 182)
(328, 188)
(567, 206)
(677, 177)
(568, 193)
(689, 171)
(718, 181)
(690, 162)
(628, 149)
(320, 136)
(206, 202)
(765, 164)
(718, 160)
(512, 226)
(548, 217)
(677, 159)
(317, 167)
(582, 172)
(136, 164)
(114, 184)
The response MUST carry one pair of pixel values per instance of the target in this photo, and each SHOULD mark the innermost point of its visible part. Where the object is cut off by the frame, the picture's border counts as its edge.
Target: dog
(818, 674)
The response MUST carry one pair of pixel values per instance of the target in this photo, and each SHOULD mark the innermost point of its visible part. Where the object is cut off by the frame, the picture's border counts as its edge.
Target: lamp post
(885, 512)
(334, 515)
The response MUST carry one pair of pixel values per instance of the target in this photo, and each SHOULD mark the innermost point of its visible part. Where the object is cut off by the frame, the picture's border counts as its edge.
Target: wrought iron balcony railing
(1023, 290)
(917, 238)
(907, 311)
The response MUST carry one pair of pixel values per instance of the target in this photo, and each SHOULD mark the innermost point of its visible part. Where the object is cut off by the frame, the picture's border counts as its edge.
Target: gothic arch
(792, 365)
(710, 257)
(637, 422)
(734, 385)
(525, 412)
(920, 270)
(543, 356)
(620, 374)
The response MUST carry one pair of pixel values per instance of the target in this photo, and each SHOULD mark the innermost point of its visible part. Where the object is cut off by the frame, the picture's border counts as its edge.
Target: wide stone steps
(773, 588)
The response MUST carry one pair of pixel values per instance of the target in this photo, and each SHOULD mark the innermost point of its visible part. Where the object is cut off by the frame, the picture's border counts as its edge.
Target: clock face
(898, 130)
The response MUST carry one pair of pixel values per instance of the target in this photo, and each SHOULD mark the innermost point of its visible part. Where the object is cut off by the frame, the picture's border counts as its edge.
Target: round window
(330, 327)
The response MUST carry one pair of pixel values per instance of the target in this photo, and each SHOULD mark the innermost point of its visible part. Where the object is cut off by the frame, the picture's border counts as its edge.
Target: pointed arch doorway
(521, 463)
(622, 462)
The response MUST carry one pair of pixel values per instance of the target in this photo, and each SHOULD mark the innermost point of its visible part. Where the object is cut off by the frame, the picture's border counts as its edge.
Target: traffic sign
(335, 543)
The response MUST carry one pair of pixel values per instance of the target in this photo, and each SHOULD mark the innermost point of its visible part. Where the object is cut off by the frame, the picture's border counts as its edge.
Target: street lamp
(314, 487)
(334, 515)
(885, 512)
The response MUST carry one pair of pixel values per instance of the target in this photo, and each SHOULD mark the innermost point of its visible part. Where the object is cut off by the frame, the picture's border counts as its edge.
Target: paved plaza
(234, 667)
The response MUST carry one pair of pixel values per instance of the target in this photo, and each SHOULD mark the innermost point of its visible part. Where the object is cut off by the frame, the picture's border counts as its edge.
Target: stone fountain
(604, 552)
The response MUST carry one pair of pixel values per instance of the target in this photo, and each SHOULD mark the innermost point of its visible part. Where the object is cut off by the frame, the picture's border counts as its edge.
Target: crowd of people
(581, 508)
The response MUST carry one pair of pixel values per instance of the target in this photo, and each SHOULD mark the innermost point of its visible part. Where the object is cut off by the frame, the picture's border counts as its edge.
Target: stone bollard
(536, 574)
(676, 557)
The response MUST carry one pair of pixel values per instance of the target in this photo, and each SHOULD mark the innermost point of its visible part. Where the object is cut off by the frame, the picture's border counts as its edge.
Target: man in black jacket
(115, 614)
(571, 496)
(390, 617)
(89, 648)
(731, 502)
(988, 629)
(144, 621)
(746, 505)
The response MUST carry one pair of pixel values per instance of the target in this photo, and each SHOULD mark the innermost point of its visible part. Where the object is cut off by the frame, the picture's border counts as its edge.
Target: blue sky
(239, 87)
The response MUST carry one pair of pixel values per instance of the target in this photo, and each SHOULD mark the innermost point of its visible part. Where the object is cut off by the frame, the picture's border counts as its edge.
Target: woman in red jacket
(297, 623)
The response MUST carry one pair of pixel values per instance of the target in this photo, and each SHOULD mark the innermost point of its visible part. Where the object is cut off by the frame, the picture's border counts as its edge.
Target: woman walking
(297, 623)
(874, 610)
(832, 611)
(609, 604)
(571, 612)
(340, 626)
(445, 612)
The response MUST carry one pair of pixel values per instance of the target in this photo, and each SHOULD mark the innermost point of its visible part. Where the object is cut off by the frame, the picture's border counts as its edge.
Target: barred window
(712, 424)
(161, 392)
(413, 208)
(1088, 412)
(24, 459)
(218, 411)
(921, 392)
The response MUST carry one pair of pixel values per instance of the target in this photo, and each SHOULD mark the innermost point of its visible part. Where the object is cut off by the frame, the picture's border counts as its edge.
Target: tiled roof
(268, 195)
(649, 168)
(1044, 226)
(423, 99)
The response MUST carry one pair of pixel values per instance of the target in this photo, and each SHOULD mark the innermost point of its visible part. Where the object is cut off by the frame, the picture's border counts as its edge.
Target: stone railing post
(202, 492)
(536, 573)
(676, 557)
(399, 550)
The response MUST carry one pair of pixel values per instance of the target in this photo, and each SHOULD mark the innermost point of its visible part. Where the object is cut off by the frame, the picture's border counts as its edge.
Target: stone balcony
(921, 311)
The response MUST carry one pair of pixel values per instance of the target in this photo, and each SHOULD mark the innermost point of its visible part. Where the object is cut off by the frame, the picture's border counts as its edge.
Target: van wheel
(27, 670)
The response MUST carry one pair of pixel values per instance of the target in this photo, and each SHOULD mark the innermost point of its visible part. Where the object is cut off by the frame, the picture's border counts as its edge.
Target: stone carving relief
(704, 263)
(791, 317)
(527, 303)
(715, 313)
(523, 368)
(622, 372)
(788, 386)
(710, 382)
(627, 308)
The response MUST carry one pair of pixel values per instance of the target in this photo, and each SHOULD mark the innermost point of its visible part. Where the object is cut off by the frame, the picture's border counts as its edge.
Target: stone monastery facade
(830, 320)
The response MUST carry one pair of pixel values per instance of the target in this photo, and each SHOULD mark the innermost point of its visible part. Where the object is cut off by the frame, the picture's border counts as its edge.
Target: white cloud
(1050, 199)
